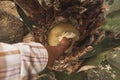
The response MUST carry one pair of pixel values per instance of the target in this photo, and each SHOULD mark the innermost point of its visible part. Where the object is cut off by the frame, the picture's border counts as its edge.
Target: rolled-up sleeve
(22, 61)
(34, 58)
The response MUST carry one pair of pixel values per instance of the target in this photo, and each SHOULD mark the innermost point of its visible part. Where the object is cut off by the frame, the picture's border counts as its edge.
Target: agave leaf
(114, 58)
(74, 76)
(108, 68)
(110, 41)
(112, 16)
(114, 6)
(31, 8)
(63, 75)
(25, 18)
(105, 49)
(104, 74)
(108, 63)
(106, 44)
(112, 22)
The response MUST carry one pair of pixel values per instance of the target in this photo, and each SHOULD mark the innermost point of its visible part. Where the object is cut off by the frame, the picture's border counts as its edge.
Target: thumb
(65, 42)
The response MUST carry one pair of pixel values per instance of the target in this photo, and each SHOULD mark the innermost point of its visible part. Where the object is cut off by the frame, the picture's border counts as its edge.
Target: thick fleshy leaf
(113, 22)
(104, 74)
(108, 68)
(114, 58)
(106, 44)
(105, 55)
(112, 25)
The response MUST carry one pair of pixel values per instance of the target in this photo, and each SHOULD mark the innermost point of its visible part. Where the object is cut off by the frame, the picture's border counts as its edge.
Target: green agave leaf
(112, 16)
(65, 76)
(74, 76)
(24, 17)
(106, 44)
(112, 25)
(114, 58)
(112, 22)
(105, 50)
(108, 66)
(104, 74)
(113, 5)
(29, 11)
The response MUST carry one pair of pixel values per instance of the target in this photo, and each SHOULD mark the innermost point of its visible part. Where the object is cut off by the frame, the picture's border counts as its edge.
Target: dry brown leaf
(86, 67)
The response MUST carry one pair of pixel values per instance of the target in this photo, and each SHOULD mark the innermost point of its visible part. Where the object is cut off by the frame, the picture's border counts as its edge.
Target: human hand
(65, 43)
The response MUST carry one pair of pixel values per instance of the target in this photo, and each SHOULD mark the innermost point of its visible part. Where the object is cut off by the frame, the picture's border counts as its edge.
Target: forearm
(54, 52)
